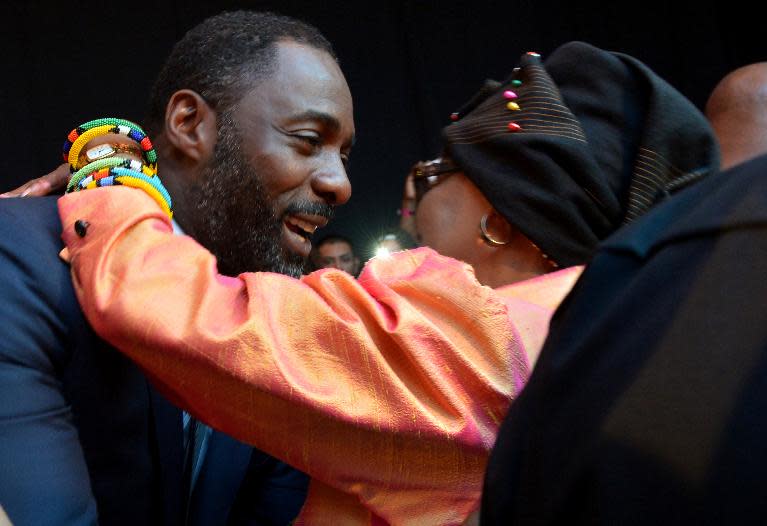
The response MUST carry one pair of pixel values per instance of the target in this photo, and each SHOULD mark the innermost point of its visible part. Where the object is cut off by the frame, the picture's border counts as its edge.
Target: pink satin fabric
(388, 390)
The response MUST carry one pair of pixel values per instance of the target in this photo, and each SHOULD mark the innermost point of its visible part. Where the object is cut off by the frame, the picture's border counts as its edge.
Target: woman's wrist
(111, 166)
(408, 207)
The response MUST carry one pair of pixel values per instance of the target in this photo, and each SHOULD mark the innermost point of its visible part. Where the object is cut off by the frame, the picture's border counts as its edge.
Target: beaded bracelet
(146, 145)
(112, 176)
(72, 136)
(80, 136)
(110, 171)
(127, 177)
(89, 168)
(75, 133)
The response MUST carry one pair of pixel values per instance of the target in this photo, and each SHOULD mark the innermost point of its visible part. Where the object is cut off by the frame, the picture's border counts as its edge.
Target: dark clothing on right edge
(648, 404)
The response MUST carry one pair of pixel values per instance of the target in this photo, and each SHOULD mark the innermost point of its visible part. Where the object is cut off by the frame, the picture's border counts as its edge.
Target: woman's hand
(53, 182)
(407, 211)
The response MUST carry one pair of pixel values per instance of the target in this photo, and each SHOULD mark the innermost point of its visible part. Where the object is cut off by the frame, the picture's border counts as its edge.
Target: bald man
(737, 110)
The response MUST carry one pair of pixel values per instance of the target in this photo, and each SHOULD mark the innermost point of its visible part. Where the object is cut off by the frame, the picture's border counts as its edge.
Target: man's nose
(331, 182)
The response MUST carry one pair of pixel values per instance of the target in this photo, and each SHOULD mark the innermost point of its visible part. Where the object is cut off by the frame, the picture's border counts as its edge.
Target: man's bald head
(737, 110)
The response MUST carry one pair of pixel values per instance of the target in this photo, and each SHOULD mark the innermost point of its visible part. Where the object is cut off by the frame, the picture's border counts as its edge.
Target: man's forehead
(306, 81)
(305, 68)
(297, 59)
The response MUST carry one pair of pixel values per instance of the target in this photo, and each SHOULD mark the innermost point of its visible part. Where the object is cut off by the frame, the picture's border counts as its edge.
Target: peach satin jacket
(388, 390)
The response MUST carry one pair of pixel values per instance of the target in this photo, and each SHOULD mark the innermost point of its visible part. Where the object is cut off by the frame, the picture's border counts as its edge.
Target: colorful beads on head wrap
(114, 170)
(80, 136)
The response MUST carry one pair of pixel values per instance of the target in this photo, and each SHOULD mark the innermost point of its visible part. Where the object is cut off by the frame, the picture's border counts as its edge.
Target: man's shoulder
(27, 220)
(16, 206)
(43, 319)
(69, 382)
(30, 241)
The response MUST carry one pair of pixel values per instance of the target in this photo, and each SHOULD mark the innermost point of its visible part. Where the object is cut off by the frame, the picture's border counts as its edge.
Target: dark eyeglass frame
(428, 174)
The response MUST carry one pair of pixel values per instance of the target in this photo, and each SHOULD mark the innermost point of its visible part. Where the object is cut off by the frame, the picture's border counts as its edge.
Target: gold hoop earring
(486, 236)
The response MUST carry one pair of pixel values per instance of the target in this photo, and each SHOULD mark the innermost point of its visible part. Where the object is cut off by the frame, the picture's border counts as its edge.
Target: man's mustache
(310, 208)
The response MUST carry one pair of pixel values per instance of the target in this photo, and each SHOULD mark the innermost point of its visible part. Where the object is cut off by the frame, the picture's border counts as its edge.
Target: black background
(409, 64)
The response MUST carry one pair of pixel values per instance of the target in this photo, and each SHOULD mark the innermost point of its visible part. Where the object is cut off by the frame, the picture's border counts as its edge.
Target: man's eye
(312, 140)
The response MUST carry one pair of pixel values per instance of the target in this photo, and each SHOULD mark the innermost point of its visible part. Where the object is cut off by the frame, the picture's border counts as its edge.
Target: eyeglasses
(428, 174)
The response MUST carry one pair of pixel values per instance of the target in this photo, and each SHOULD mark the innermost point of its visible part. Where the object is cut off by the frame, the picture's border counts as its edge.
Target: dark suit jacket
(242, 486)
(83, 436)
(648, 404)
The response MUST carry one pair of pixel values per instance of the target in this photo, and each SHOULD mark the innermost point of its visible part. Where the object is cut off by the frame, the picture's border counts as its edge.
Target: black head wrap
(570, 149)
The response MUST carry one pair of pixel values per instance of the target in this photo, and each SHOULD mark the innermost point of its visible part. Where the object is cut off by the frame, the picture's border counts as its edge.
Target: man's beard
(234, 218)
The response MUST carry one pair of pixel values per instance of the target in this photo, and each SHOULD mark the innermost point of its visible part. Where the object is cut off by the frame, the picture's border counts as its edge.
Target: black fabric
(601, 138)
(647, 404)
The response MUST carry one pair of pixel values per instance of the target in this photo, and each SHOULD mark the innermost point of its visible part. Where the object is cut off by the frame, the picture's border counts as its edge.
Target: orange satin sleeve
(388, 389)
(532, 302)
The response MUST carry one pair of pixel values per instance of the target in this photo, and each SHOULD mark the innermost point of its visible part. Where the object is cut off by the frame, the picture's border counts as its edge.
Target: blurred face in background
(337, 254)
(390, 244)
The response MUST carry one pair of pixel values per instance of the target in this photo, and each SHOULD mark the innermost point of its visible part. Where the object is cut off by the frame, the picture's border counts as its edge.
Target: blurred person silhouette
(408, 205)
(737, 110)
(393, 240)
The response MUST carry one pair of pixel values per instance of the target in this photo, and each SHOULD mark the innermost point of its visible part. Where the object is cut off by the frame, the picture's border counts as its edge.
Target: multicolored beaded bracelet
(127, 177)
(113, 170)
(89, 168)
(74, 134)
(80, 136)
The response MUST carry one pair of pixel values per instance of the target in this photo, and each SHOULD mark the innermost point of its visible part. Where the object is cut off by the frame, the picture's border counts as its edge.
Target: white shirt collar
(176, 228)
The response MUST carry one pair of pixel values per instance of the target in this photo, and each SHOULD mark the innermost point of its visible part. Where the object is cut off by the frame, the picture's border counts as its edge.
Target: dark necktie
(195, 443)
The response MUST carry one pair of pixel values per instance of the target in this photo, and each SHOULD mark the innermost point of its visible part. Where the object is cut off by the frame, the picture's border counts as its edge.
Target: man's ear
(190, 125)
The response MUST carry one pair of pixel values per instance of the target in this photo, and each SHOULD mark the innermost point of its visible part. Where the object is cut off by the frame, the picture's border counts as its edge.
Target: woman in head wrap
(389, 390)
